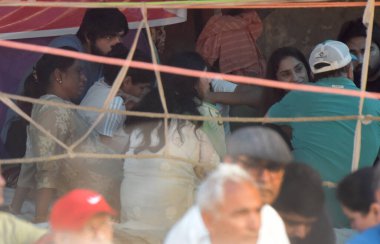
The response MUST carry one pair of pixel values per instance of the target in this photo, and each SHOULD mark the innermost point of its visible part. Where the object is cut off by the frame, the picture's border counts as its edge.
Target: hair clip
(34, 74)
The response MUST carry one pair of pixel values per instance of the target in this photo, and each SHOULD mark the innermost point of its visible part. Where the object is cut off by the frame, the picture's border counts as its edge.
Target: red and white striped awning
(31, 22)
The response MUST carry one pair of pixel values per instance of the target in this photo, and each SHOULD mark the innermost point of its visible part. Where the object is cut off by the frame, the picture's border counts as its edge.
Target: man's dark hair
(355, 28)
(356, 191)
(301, 191)
(102, 22)
(332, 73)
(138, 75)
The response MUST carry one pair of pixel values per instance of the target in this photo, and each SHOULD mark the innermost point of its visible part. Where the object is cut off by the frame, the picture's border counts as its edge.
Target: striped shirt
(96, 97)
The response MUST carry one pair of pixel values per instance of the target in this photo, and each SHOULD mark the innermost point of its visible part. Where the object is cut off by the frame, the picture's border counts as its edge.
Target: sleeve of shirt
(113, 121)
(67, 40)
(282, 109)
(223, 86)
(14, 230)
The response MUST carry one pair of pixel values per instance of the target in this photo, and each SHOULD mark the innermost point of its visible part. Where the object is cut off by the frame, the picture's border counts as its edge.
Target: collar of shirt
(337, 82)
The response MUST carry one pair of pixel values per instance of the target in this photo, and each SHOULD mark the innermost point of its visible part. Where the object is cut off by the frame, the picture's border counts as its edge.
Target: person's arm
(19, 231)
(282, 109)
(112, 122)
(243, 95)
(58, 122)
(208, 158)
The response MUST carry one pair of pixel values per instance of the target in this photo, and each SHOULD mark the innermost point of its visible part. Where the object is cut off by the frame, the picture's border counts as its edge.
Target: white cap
(333, 54)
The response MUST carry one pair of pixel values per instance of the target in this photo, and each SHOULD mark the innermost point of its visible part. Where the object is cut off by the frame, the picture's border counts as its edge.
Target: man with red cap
(81, 216)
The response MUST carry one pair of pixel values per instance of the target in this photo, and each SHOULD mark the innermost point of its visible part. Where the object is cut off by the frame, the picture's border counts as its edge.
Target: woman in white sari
(157, 191)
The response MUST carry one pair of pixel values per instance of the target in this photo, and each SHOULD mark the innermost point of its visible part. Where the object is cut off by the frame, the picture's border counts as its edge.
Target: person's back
(331, 142)
(156, 191)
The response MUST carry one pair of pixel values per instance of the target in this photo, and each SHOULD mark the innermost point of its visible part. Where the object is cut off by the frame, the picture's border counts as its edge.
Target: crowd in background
(197, 181)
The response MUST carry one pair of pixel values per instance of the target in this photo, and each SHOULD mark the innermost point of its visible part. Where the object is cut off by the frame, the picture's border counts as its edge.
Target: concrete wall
(304, 28)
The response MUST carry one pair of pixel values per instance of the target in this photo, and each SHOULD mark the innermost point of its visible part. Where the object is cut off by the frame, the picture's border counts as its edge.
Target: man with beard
(99, 31)
(353, 33)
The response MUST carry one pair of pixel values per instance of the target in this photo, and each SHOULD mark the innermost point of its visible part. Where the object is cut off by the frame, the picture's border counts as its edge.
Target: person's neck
(59, 93)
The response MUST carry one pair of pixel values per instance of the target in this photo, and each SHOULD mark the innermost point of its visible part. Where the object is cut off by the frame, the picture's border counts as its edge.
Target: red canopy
(30, 22)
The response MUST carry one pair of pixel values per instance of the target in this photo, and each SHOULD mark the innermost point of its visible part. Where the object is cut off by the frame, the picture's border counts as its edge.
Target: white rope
(368, 22)
(159, 81)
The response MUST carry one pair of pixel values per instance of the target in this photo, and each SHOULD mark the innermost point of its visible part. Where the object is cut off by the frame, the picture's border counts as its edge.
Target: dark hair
(232, 11)
(356, 191)
(180, 95)
(301, 191)
(100, 22)
(274, 95)
(278, 55)
(355, 28)
(31, 89)
(138, 75)
(332, 73)
(182, 88)
(45, 67)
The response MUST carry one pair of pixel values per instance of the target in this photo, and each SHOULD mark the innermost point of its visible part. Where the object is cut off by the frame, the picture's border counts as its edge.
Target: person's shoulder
(369, 236)
(270, 214)
(189, 229)
(67, 40)
(49, 108)
(272, 228)
(220, 85)
(23, 228)
(97, 93)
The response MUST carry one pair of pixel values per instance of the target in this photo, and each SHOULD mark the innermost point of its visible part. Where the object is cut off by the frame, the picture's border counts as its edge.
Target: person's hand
(130, 104)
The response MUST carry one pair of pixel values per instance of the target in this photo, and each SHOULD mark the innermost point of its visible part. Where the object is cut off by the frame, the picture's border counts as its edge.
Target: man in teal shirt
(328, 146)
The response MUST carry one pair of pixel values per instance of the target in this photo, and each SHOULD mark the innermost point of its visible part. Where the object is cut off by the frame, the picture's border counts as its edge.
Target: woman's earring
(59, 81)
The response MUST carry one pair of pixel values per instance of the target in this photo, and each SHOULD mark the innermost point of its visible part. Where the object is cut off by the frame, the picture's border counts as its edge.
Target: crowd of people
(191, 181)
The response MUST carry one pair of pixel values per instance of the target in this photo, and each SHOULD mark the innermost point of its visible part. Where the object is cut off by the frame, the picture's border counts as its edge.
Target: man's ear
(375, 210)
(208, 220)
(57, 76)
(127, 82)
(350, 71)
(86, 38)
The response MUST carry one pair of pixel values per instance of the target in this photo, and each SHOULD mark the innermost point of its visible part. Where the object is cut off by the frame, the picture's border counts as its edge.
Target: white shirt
(192, 230)
(219, 85)
(272, 229)
(189, 230)
(95, 97)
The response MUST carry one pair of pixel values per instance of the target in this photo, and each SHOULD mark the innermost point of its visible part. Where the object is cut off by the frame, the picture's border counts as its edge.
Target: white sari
(156, 192)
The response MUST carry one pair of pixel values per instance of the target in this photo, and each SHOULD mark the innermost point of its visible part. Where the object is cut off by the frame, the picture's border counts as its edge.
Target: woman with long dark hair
(156, 191)
(286, 64)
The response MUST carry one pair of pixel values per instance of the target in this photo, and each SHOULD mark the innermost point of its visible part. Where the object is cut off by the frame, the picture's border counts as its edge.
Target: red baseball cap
(73, 210)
